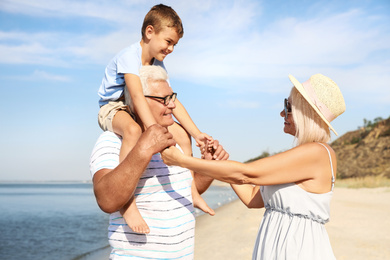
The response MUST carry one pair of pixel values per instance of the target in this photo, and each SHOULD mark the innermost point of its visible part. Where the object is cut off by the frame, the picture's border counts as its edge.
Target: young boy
(161, 30)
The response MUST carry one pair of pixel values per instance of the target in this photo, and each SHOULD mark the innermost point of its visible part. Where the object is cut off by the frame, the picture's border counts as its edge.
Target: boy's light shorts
(107, 113)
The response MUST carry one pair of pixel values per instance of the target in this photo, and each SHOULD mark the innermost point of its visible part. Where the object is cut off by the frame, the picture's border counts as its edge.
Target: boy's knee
(132, 131)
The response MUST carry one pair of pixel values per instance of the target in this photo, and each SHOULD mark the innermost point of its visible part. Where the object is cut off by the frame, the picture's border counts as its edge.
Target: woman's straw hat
(323, 95)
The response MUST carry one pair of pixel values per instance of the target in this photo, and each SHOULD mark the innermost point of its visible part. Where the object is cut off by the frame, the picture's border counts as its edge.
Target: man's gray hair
(147, 74)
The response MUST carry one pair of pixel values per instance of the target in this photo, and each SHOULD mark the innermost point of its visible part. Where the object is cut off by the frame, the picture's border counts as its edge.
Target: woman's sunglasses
(287, 108)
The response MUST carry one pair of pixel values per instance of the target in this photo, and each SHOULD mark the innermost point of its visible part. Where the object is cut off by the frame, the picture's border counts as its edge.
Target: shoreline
(358, 228)
(104, 252)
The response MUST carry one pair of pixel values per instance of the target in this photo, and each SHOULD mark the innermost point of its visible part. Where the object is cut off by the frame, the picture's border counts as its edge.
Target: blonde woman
(294, 186)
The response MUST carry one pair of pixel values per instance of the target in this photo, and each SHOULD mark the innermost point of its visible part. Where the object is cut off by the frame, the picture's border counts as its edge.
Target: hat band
(321, 106)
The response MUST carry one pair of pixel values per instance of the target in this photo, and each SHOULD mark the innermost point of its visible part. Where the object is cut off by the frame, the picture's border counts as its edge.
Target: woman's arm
(249, 195)
(301, 163)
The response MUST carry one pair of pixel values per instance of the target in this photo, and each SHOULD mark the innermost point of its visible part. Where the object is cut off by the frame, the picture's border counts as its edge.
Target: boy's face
(163, 43)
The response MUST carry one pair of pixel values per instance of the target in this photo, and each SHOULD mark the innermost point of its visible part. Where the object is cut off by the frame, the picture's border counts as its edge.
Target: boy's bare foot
(135, 221)
(199, 203)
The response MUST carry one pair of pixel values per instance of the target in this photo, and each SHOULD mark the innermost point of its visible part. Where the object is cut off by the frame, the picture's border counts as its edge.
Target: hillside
(365, 151)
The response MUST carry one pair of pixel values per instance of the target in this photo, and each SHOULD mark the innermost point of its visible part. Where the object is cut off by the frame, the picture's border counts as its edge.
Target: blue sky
(230, 71)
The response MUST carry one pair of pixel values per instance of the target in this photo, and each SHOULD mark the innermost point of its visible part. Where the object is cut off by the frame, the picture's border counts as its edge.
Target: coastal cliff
(364, 152)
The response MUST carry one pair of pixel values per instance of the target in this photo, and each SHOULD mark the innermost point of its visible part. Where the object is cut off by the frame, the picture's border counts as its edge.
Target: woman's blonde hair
(309, 126)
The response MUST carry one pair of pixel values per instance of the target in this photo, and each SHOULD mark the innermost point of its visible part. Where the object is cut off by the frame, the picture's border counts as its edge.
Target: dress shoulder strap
(331, 164)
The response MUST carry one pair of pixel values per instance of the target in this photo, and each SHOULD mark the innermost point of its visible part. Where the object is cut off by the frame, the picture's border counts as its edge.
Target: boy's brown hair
(160, 16)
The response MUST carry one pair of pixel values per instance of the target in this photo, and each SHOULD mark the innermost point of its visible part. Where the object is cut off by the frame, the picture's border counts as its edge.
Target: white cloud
(40, 75)
(223, 44)
(236, 46)
(32, 48)
(61, 49)
(336, 44)
(121, 11)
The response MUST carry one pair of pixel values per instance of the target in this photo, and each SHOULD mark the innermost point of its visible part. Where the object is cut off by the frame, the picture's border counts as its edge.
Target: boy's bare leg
(199, 202)
(124, 125)
(133, 218)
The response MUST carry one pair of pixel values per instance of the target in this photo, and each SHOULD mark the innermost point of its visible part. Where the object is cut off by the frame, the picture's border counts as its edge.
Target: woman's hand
(171, 156)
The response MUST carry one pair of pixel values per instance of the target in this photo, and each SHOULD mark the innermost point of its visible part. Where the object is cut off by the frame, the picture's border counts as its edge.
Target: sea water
(46, 221)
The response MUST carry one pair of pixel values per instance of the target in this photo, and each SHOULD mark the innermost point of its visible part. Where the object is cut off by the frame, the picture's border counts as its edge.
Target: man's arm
(113, 188)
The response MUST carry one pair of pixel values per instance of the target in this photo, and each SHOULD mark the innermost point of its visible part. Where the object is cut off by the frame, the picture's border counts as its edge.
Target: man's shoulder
(107, 142)
(105, 154)
(108, 136)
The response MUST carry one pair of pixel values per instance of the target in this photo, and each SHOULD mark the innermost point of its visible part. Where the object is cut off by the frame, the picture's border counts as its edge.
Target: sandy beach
(359, 228)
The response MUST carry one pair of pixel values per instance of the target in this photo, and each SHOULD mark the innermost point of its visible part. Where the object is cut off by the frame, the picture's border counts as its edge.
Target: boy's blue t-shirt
(126, 61)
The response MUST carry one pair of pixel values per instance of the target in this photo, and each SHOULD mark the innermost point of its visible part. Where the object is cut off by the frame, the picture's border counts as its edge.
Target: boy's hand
(204, 142)
(216, 152)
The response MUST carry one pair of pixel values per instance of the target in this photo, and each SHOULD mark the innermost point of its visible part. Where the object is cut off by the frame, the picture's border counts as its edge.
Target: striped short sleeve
(105, 154)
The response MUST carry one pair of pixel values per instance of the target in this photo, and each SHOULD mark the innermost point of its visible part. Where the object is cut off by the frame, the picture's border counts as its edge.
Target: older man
(162, 193)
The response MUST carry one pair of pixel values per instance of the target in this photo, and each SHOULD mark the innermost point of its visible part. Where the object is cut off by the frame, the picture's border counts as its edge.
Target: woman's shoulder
(321, 148)
(314, 147)
(313, 152)
(318, 152)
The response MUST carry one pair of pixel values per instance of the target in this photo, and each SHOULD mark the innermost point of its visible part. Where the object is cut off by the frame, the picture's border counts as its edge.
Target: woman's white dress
(293, 224)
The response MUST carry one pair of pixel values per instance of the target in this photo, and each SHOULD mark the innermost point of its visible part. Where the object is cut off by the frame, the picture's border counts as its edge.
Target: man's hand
(155, 139)
(114, 187)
